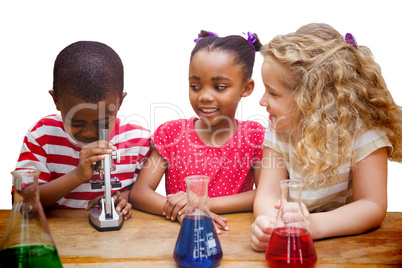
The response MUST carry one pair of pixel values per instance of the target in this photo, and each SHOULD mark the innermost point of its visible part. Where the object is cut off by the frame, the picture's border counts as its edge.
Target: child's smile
(207, 111)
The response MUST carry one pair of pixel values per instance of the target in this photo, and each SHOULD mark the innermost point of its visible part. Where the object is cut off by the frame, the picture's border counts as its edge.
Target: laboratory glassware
(291, 244)
(27, 239)
(197, 244)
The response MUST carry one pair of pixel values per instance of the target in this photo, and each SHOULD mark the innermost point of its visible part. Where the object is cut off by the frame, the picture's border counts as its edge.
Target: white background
(154, 40)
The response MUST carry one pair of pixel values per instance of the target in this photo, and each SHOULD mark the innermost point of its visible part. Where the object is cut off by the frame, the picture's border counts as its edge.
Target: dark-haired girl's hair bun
(257, 43)
(204, 33)
(253, 40)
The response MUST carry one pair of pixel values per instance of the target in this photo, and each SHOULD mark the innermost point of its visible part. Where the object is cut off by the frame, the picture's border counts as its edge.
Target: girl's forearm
(370, 205)
(265, 206)
(354, 218)
(232, 203)
(146, 199)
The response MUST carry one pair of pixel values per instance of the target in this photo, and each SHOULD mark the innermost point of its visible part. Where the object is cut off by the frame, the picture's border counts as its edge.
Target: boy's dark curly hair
(88, 70)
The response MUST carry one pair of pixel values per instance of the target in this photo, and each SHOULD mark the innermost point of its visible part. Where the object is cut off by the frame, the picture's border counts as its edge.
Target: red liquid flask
(197, 244)
(291, 244)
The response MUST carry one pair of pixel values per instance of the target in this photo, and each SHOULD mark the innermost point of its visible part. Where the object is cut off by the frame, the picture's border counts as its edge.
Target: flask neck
(291, 191)
(291, 212)
(197, 195)
(26, 187)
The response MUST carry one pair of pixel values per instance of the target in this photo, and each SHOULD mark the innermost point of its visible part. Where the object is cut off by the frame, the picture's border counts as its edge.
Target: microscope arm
(108, 191)
(105, 217)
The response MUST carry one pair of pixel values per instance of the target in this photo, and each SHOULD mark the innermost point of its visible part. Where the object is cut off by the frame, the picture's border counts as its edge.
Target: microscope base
(101, 223)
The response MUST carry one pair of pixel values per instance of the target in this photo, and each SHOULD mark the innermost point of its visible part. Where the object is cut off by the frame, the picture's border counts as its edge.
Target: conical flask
(197, 244)
(27, 240)
(291, 244)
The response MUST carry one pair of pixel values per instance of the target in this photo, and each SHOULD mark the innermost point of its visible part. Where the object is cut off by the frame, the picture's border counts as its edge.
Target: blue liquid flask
(27, 240)
(197, 244)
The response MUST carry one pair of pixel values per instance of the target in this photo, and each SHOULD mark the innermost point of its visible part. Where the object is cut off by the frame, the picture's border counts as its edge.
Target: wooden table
(147, 240)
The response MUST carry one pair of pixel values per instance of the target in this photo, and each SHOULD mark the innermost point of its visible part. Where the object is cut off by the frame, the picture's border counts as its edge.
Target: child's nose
(264, 102)
(90, 132)
(206, 96)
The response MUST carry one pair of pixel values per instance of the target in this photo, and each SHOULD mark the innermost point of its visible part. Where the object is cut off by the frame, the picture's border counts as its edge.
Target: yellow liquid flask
(197, 244)
(27, 240)
(291, 244)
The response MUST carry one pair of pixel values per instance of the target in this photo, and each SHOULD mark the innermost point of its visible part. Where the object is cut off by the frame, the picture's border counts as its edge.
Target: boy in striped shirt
(88, 92)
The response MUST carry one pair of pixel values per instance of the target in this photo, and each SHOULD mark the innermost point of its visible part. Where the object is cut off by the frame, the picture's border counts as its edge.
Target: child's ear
(248, 88)
(121, 99)
(51, 92)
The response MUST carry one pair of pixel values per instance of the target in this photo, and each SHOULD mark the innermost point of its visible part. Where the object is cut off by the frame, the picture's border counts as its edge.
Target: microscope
(105, 217)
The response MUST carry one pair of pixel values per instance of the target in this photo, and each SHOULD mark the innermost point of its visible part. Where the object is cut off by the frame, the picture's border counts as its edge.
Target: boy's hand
(89, 154)
(175, 205)
(121, 204)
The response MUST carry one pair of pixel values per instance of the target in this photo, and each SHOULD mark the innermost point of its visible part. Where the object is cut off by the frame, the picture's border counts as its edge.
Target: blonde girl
(334, 126)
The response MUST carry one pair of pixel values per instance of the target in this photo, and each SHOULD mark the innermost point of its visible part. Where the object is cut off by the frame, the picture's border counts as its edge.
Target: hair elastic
(199, 37)
(251, 38)
(350, 39)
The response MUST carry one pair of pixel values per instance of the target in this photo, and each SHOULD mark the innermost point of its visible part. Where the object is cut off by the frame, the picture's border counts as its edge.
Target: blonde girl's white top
(333, 191)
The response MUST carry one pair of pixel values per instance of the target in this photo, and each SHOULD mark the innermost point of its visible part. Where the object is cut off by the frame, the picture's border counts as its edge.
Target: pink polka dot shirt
(229, 166)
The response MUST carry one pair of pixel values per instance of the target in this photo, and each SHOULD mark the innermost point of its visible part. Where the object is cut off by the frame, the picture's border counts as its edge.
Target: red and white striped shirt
(48, 148)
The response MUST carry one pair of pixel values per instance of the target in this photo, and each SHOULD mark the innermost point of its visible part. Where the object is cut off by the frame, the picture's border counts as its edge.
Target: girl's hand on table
(261, 231)
(218, 222)
(290, 212)
(175, 205)
(262, 227)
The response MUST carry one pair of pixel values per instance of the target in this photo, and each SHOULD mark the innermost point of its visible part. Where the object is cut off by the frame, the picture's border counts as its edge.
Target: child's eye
(77, 125)
(220, 87)
(194, 87)
(272, 94)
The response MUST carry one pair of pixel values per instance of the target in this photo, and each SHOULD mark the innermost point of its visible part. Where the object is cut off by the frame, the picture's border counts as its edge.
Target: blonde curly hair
(339, 93)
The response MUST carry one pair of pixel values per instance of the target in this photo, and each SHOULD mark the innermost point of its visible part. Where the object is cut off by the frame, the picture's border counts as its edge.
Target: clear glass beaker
(27, 240)
(197, 244)
(291, 244)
